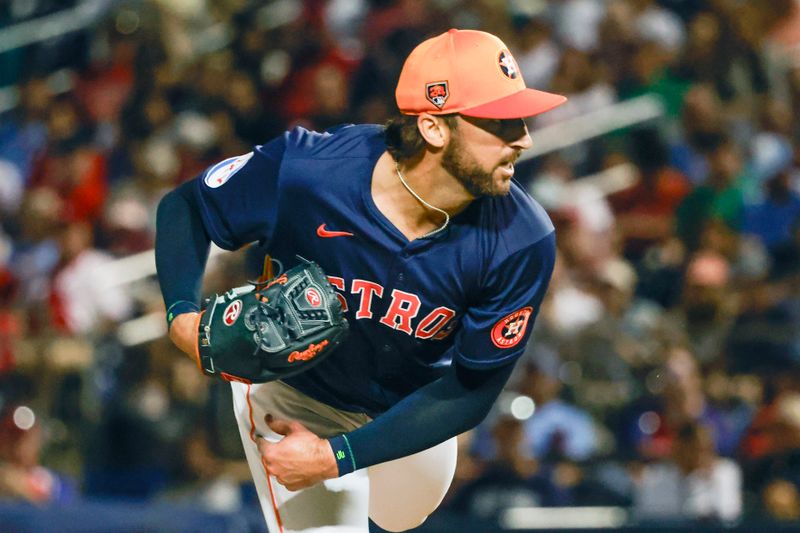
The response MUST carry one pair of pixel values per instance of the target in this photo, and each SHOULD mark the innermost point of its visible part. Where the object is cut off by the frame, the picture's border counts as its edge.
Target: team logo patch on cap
(437, 93)
(507, 65)
(224, 170)
(509, 330)
(231, 313)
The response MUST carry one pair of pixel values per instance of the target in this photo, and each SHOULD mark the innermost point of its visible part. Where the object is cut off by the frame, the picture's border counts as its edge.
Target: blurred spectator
(782, 501)
(771, 147)
(645, 213)
(509, 480)
(703, 122)
(556, 428)
(209, 480)
(766, 333)
(775, 429)
(375, 78)
(707, 308)
(107, 83)
(71, 165)
(682, 401)
(84, 294)
(538, 55)
(774, 219)
(657, 24)
(569, 306)
(719, 198)
(604, 358)
(781, 21)
(581, 212)
(583, 82)
(23, 136)
(577, 22)
(650, 39)
(695, 484)
(748, 259)
(11, 323)
(36, 254)
(133, 450)
(386, 17)
(22, 477)
(330, 98)
(125, 227)
(786, 258)
(251, 122)
(719, 52)
(315, 59)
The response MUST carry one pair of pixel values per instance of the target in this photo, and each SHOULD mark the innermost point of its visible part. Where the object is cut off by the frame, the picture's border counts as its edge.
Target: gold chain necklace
(423, 202)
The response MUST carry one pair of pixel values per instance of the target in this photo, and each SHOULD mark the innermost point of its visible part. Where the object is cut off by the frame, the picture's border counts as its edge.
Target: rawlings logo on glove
(309, 353)
(269, 331)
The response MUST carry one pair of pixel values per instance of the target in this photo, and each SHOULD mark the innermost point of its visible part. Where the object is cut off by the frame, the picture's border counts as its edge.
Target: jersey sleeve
(238, 197)
(496, 329)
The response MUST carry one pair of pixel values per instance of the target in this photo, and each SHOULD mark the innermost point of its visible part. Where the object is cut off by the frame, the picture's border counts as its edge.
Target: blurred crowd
(665, 372)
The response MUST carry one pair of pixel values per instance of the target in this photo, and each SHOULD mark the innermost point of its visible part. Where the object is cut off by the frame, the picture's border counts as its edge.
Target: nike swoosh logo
(327, 234)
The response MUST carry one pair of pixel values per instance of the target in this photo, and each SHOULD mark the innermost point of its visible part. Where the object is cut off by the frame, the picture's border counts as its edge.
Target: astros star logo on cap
(508, 65)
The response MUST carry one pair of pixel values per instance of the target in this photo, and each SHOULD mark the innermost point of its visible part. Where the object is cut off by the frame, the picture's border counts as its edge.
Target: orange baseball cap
(469, 72)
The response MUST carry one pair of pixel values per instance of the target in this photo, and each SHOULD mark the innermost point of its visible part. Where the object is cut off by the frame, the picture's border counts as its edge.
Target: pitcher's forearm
(181, 251)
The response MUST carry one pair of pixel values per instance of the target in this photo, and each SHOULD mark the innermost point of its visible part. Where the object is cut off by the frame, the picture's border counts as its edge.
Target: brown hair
(403, 139)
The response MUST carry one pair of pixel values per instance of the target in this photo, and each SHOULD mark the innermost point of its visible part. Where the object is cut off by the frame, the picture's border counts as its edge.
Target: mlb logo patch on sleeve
(220, 173)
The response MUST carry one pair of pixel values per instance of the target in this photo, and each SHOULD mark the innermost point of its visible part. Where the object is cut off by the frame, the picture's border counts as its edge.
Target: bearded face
(485, 171)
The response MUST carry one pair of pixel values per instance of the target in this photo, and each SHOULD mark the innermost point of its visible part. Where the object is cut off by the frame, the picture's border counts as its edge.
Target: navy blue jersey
(469, 293)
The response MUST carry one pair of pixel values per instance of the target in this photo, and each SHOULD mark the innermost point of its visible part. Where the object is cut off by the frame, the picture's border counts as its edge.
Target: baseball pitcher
(414, 269)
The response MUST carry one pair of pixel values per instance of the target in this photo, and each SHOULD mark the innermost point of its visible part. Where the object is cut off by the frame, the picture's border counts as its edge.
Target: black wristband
(345, 460)
(178, 308)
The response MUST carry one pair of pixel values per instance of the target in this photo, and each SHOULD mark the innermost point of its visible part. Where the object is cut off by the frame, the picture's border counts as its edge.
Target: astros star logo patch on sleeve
(509, 330)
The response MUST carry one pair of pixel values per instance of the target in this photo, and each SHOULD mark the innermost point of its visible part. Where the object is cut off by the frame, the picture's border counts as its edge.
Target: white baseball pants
(397, 495)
